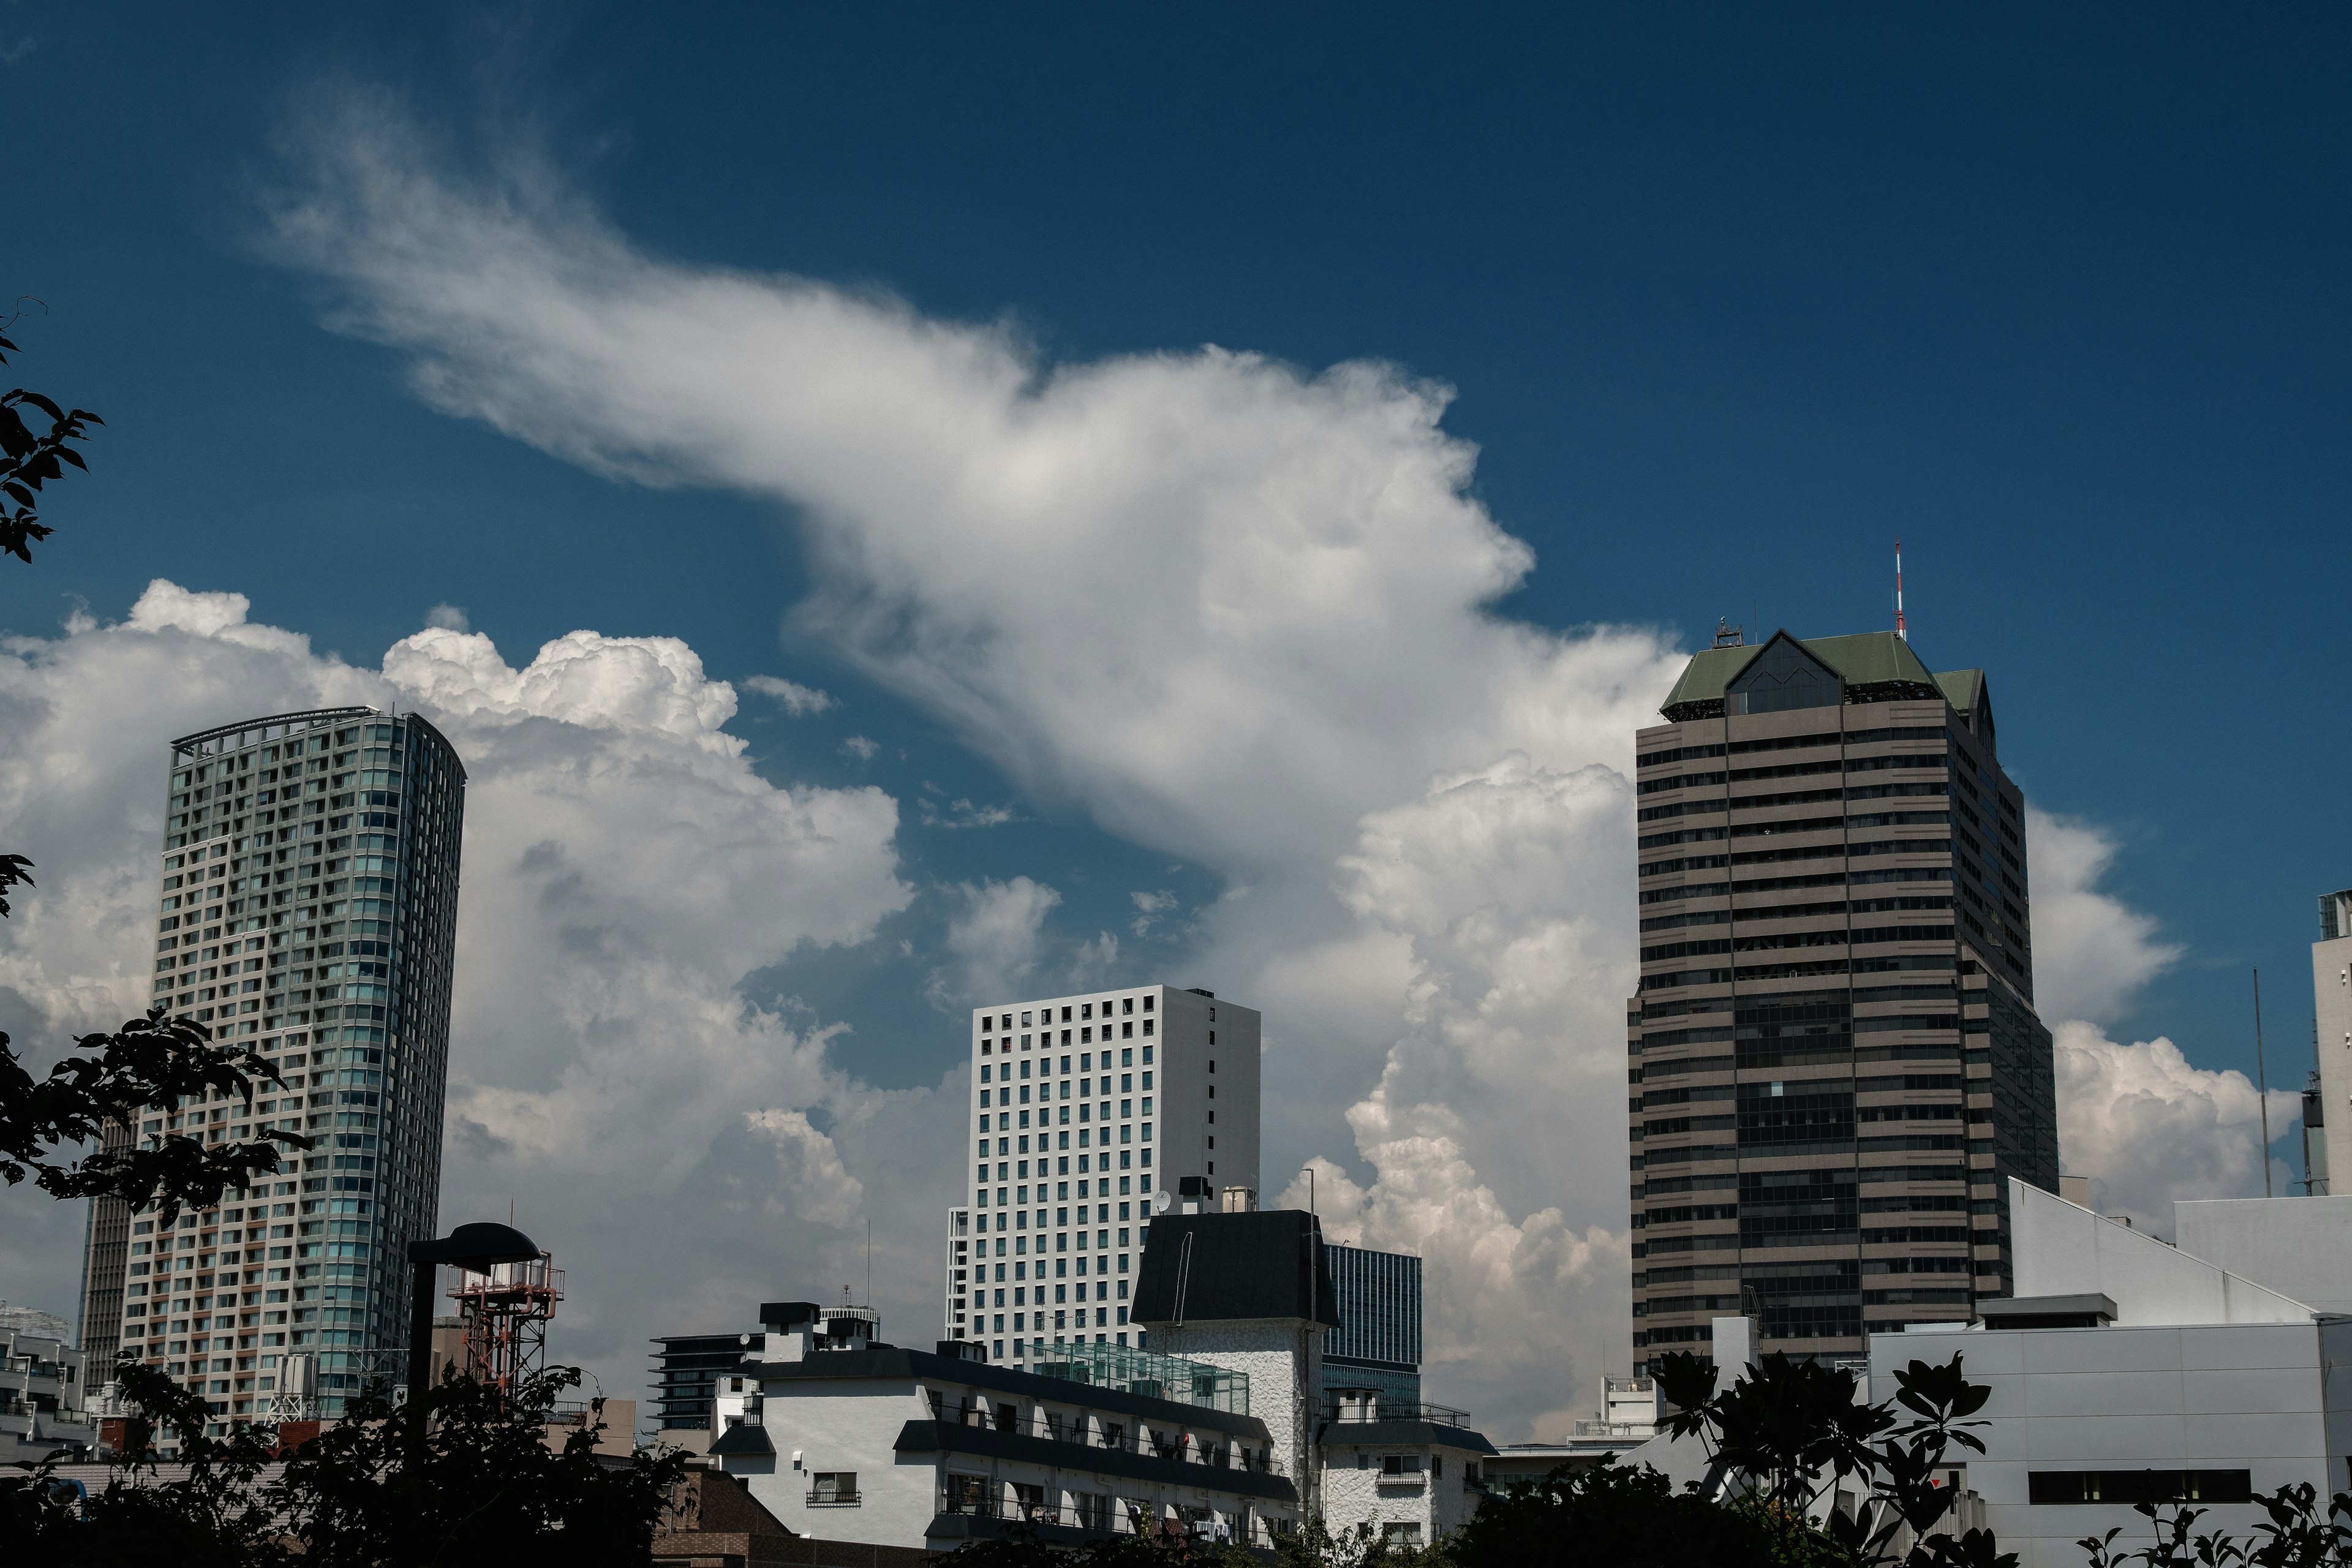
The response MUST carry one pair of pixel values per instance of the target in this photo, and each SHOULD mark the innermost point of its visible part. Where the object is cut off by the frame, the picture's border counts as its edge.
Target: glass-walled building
(306, 911)
(1377, 1346)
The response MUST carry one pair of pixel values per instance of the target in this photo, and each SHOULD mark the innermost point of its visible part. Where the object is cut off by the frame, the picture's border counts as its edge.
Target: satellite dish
(1161, 1202)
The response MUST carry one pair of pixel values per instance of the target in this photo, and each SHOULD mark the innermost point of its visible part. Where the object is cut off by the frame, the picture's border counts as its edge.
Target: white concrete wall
(846, 1426)
(2331, 996)
(2300, 1247)
(2064, 1249)
(1440, 1503)
(1284, 1363)
(2207, 1396)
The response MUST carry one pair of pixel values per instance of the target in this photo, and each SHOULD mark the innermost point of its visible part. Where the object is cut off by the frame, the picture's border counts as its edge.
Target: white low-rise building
(2127, 1369)
(1414, 1473)
(845, 1438)
(42, 1395)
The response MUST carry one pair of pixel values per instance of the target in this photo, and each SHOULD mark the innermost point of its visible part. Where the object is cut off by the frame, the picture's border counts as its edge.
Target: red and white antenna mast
(1900, 630)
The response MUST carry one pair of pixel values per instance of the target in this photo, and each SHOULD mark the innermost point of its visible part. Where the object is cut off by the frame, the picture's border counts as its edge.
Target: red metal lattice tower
(502, 1318)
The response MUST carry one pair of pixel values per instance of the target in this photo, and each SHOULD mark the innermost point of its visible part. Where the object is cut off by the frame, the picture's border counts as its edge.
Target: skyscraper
(1064, 1097)
(1835, 1059)
(309, 912)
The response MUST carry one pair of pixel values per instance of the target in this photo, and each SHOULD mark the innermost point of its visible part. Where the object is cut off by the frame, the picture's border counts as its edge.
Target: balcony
(1092, 1516)
(1113, 1435)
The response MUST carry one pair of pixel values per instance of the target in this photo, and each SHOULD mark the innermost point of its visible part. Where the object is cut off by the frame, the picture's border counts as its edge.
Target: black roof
(1268, 1264)
(742, 1438)
(1404, 1435)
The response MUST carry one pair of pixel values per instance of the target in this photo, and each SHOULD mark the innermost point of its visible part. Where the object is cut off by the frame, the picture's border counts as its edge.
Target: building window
(2139, 1485)
(833, 1487)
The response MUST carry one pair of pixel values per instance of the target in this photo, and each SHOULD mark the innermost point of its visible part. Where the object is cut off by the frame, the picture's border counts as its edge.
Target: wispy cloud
(797, 699)
(962, 814)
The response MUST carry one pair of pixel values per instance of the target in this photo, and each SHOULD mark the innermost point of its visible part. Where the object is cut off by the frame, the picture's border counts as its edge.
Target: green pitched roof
(1865, 658)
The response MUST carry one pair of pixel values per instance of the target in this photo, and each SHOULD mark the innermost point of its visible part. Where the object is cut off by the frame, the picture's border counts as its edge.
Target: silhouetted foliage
(356, 1496)
(2295, 1535)
(29, 460)
(151, 1063)
(1626, 1518)
(1792, 1427)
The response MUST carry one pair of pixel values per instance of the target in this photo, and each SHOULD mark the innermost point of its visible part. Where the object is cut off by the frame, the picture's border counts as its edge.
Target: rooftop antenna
(2261, 1083)
(1899, 629)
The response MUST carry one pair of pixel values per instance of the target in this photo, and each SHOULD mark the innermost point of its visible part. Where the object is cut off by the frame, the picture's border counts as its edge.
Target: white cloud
(1238, 612)
(859, 746)
(448, 617)
(798, 700)
(995, 938)
(964, 813)
(1268, 632)
(1149, 907)
(624, 870)
(2092, 953)
(2147, 1127)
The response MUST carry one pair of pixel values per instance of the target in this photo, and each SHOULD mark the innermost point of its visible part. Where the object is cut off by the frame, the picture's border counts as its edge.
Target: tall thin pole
(2262, 1082)
(1899, 629)
(869, 1260)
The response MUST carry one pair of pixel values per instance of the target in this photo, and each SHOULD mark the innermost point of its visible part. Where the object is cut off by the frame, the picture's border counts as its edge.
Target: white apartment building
(847, 1440)
(1083, 1107)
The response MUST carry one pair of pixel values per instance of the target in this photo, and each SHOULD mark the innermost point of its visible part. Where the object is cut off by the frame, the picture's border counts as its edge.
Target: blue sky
(1726, 301)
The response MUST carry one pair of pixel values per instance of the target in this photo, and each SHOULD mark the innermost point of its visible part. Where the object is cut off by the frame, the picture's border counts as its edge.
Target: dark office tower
(1835, 1059)
(309, 912)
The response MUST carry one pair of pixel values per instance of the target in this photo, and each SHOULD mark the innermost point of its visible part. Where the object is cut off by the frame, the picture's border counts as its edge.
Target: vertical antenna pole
(1899, 629)
(2261, 1083)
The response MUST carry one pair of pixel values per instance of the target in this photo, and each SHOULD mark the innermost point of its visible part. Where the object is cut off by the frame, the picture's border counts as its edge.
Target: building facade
(43, 1389)
(307, 912)
(1835, 1061)
(2128, 1370)
(2327, 1139)
(845, 1438)
(1376, 1348)
(1083, 1108)
(686, 1372)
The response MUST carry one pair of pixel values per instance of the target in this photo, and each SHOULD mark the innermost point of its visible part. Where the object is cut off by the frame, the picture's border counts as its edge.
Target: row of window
(1794, 743)
(991, 1023)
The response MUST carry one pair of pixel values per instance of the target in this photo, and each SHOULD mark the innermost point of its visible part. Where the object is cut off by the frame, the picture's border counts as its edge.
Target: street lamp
(478, 1246)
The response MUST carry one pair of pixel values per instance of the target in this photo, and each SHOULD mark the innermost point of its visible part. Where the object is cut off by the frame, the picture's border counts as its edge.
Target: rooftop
(1874, 665)
(1269, 1264)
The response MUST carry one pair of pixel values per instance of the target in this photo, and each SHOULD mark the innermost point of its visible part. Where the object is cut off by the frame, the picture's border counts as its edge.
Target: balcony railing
(1107, 1516)
(1347, 1412)
(1116, 1436)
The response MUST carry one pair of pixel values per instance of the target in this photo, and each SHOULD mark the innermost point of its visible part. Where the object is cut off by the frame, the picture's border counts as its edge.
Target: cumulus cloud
(448, 618)
(2147, 1128)
(994, 937)
(2092, 953)
(859, 746)
(625, 868)
(797, 699)
(1236, 611)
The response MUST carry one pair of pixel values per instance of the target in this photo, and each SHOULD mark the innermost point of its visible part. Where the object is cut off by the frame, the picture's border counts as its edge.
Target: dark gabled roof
(1221, 1267)
(742, 1438)
(1865, 658)
(894, 1362)
(1404, 1435)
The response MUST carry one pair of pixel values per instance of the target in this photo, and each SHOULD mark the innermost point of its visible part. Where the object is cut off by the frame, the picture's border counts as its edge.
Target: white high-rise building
(2331, 1001)
(1082, 1109)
